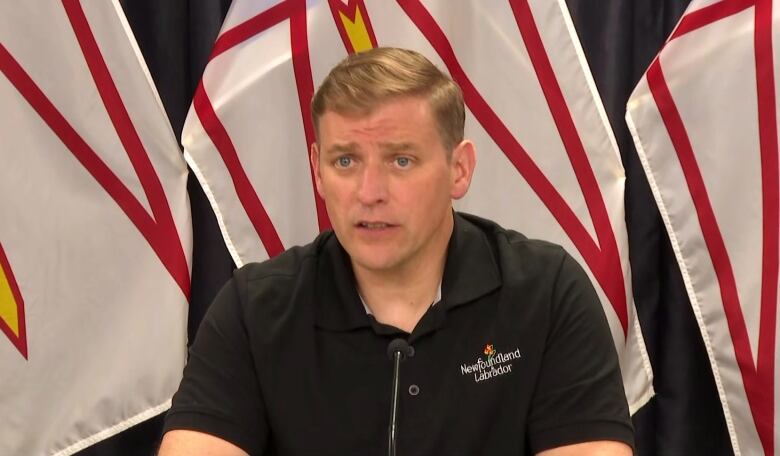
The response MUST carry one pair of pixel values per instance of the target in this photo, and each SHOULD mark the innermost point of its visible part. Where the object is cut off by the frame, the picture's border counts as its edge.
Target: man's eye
(403, 162)
(343, 162)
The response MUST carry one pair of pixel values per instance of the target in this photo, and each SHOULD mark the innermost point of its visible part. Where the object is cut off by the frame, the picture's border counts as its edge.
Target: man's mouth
(373, 225)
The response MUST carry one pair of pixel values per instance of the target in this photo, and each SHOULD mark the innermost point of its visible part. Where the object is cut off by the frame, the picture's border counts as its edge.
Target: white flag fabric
(704, 120)
(548, 164)
(95, 232)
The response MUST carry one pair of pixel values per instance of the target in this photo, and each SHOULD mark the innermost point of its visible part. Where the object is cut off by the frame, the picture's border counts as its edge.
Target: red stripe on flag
(244, 190)
(349, 10)
(515, 153)
(295, 11)
(709, 14)
(767, 132)
(20, 341)
(713, 239)
(299, 42)
(610, 266)
(170, 248)
(251, 27)
(82, 152)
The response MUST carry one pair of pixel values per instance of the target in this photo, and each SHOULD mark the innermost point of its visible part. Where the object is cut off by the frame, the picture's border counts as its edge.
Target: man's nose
(372, 188)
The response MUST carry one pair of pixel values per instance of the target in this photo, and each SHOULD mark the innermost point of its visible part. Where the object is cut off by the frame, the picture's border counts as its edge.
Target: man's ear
(314, 160)
(462, 164)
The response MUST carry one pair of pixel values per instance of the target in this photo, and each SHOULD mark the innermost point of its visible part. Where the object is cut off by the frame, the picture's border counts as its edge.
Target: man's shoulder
(512, 243)
(291, 263)
(278, 290)
(284, 280)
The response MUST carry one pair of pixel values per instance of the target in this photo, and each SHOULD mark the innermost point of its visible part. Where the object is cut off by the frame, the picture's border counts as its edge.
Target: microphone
(401, 346)
(397, 350)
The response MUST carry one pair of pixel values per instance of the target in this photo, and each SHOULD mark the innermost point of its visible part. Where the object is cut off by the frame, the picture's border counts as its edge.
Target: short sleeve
(579, 395)
(219, 393)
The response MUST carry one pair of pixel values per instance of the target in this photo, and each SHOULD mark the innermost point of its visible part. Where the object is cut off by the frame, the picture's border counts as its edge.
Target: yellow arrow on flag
(11, 307)
(353, 24)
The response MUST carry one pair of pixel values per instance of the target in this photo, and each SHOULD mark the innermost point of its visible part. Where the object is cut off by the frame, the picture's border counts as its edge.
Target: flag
(95, 233)
(547, 162)
(704, 121)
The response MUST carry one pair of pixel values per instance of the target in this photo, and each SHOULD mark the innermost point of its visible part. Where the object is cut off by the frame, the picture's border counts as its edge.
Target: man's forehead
(406, 104)
(388, 121)
(399, 124)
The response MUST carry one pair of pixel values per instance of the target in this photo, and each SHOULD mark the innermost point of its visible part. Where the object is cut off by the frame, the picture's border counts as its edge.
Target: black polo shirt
(516, 357)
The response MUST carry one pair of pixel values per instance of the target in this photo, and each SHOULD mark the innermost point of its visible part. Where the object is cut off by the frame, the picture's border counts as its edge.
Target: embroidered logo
(489, 351)
(497, 363)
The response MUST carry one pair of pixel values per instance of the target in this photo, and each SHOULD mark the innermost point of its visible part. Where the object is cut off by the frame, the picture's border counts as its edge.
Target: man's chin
(375, 263)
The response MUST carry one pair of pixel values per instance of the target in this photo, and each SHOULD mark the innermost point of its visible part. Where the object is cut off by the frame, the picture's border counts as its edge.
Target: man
(512, 353)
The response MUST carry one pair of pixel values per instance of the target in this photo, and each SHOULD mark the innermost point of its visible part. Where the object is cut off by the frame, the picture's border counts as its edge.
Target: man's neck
(401, 297)
(400, 302)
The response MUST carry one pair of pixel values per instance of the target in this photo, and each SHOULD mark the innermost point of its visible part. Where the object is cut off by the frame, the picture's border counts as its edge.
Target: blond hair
(363, 81)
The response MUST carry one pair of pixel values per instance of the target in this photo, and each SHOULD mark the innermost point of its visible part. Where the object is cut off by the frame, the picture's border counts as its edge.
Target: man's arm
(579, 396)
(598, 448)
(193, 443)
(219, 398)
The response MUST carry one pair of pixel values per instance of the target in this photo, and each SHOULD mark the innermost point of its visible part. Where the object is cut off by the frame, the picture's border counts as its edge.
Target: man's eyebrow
(397, 147)
(348, 148)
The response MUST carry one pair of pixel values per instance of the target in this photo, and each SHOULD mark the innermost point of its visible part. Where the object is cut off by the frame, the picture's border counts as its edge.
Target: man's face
(388, 184)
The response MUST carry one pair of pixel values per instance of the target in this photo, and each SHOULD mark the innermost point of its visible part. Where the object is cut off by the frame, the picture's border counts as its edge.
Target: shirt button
(414, 390)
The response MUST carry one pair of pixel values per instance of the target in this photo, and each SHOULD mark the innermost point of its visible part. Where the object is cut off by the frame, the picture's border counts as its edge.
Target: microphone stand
(396, 350)
(397, 355)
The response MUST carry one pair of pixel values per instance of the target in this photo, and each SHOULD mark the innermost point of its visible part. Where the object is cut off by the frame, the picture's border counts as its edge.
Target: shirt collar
(470, 272)
(436, 300)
